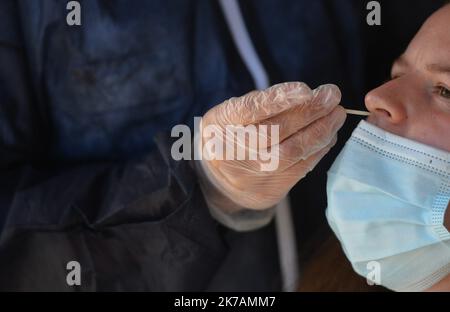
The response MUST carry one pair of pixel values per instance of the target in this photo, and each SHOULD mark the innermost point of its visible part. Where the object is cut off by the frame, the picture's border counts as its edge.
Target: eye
(444, 92)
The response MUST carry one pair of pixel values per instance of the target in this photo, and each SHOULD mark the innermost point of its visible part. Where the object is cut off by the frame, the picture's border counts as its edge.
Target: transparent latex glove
(308, 122)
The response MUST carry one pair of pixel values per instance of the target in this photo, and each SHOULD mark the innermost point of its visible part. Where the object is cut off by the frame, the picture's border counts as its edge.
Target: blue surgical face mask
(387, 198)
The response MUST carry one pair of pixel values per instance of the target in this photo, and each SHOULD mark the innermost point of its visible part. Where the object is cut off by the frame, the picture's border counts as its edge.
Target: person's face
(415, 104)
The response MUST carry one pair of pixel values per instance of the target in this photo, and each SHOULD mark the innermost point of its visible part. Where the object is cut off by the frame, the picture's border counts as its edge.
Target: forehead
(433, 39)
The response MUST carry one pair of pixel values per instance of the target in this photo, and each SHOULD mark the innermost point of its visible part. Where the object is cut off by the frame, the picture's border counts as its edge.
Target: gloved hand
(308, 122)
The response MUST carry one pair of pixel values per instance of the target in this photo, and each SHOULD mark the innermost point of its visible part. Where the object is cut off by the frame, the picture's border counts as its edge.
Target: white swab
(357, 112)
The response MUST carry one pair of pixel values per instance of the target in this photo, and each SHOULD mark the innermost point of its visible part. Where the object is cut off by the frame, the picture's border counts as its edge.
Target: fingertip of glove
(293, 89)
(328, 94)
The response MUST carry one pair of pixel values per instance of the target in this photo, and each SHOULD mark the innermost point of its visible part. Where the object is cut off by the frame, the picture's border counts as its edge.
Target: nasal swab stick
(357, 112)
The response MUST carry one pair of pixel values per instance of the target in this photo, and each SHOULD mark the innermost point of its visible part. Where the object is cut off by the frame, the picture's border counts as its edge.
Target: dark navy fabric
(82, 177)
(138, 67)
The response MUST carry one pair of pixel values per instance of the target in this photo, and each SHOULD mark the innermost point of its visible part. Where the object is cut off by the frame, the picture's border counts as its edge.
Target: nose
(387, 102)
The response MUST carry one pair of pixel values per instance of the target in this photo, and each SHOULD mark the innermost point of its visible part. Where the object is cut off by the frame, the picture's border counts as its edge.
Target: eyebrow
(445, 69)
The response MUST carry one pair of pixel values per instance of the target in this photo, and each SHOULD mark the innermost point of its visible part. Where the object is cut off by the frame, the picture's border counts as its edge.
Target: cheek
(441, 128)
(431, 128)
